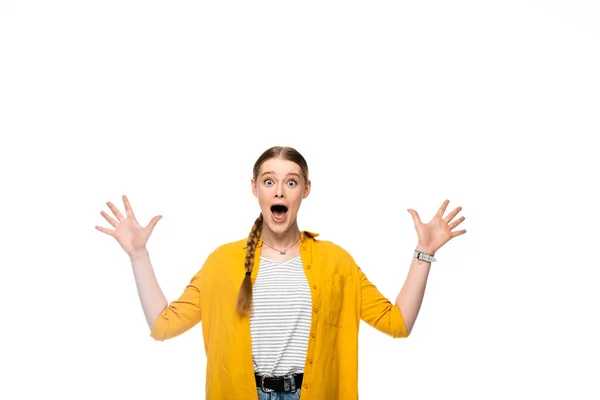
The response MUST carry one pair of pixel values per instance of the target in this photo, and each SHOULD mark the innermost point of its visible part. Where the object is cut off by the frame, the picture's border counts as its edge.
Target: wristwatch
(424, 257)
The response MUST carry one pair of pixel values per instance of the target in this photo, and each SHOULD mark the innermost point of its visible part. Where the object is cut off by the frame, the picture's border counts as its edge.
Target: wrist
(425, 257)
(139, 253)
(425, 249)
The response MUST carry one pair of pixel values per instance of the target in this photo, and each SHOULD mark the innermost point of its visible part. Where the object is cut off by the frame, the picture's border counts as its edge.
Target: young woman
(281, 309)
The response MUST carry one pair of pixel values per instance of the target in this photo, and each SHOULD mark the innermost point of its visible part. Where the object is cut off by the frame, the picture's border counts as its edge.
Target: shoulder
(331, 247)
(333, 252)
(226, 254)
(327, 246)
(229, 249)
(333, 259)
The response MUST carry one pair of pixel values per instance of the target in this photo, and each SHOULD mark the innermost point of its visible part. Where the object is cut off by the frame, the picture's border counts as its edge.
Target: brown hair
(244, 303)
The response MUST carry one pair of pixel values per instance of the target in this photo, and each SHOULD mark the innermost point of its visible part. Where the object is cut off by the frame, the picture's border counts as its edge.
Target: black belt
(278, 383)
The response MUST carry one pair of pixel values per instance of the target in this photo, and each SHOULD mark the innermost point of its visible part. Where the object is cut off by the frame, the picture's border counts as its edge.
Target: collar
(305, 234)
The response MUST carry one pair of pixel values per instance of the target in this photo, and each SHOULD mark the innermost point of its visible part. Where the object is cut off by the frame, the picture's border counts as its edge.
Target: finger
(458, 233)
(128, 209)
(442, 209)
(454, 224)
(450, 216)
(110, 219)
(105, 230)
(115, 211)
(415, 216)
(153, 222)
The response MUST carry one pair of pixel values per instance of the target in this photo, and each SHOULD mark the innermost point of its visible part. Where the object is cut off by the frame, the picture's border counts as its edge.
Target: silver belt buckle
(262, 385)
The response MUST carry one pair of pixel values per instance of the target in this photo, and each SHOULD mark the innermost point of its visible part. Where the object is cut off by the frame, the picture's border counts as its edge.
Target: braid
(244, 304)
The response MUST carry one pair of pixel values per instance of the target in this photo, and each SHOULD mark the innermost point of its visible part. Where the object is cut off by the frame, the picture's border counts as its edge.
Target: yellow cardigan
(341, 296)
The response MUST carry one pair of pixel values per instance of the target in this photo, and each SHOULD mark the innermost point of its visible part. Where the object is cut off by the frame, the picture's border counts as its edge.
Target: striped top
(281, 317)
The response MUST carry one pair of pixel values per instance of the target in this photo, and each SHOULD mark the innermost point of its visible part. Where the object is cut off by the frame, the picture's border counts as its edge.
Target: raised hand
(129, 233)
(439, 230)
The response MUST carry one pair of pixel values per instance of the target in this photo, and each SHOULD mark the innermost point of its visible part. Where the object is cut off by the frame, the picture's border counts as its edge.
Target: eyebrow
(271, 172)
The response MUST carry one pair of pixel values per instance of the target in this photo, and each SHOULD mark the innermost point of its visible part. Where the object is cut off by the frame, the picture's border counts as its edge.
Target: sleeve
(181, 314)
(377, 311)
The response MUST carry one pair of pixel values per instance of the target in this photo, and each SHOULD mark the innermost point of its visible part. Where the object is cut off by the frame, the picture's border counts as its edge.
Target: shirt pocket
(335, 302)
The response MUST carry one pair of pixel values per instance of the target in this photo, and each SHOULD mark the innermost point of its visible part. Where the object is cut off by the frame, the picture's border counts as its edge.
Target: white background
(395, 105)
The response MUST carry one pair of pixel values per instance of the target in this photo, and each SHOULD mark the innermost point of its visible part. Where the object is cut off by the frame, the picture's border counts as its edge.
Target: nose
(279, 192)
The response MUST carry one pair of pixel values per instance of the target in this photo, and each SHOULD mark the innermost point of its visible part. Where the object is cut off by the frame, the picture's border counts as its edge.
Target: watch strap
(424, 256)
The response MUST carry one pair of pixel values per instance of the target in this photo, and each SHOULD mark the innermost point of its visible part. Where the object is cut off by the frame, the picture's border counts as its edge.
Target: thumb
(415, 216)
(153, 222)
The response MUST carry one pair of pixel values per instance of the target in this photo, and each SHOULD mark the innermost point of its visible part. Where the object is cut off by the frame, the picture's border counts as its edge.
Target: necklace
(282, 252)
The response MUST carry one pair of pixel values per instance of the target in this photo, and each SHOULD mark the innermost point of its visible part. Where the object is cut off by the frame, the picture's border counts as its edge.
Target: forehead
(280, 167)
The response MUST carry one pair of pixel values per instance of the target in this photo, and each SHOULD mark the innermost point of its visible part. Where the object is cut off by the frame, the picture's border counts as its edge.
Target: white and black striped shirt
(281, 317)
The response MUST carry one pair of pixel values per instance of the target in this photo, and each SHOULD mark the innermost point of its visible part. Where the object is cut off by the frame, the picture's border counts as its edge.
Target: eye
(292, 183)
(268, 182)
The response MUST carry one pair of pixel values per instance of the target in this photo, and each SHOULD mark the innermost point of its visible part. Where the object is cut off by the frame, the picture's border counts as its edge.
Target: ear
(253, 184)
(307, 189)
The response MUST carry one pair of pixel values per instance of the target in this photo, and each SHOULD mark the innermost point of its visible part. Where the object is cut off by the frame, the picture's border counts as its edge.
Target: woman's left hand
(438, 231)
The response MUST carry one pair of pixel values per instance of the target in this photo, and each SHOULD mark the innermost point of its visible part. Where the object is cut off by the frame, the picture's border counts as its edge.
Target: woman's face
(280, 189)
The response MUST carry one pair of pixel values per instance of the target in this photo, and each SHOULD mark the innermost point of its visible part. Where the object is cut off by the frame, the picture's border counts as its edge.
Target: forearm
(151, 296)
(410, 298)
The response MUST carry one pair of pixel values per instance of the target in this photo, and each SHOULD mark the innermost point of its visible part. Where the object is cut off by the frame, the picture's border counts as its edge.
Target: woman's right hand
(129, 233)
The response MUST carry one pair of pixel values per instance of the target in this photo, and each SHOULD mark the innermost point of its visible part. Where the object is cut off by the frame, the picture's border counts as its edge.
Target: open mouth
(279, 211)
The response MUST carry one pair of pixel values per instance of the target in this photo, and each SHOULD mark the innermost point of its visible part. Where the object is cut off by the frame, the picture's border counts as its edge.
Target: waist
(286, 383)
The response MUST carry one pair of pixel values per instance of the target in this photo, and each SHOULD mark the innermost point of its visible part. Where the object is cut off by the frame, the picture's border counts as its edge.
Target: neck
(281, 240)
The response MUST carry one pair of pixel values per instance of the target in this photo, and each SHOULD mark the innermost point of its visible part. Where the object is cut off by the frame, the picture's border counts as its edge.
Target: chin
(278, 228)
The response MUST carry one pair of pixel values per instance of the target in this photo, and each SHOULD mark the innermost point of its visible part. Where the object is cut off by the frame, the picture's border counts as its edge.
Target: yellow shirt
(341, 296)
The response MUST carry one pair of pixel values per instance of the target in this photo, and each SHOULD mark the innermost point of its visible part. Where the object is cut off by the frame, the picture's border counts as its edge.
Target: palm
(127, 231)
(437, 232)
